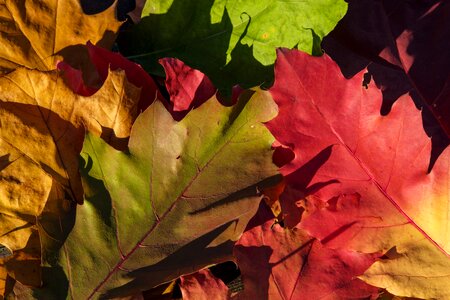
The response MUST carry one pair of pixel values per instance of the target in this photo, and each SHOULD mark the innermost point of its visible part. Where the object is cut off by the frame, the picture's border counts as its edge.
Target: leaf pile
(245, 159)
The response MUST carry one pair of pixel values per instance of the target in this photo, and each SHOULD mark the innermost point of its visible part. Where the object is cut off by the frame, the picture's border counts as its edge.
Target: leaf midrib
(161, 218)
(363, 166)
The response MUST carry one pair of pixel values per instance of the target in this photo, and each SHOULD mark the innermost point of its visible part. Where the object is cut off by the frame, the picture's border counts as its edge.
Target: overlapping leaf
(232, 42)
(44, 121)
(202, 285)
(278, 263)
(405, 45)
(340, 137)
(35, 34)
(170, 211)
(104, 61)
(41, 136)
(187, 87)
(370, 170)
(413, 269)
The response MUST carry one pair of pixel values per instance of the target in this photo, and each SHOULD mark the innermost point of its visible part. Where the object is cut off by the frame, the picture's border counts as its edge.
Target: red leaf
(344, 146)
(279, 263)
(407, 44)
(105, 60)
(187, 87)
(203, 285)
(74, 79)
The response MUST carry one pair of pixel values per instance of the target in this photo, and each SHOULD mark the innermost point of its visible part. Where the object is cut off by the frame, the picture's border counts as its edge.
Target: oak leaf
(36, 34)
(412, 269)
(281, 263)
(231, 42)
(41, 135)
(167, 183)
(405, 46)
(370, 172)
(343, 146)
(44, 121)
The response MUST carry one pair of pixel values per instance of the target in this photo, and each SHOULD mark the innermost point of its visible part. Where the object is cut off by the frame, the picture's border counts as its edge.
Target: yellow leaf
(43, 121)
(24, 265)
(42, 126)
(3, 277)
(36, 34)
(413, 269)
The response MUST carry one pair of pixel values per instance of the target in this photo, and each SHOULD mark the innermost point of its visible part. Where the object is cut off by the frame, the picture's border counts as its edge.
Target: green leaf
(177, 201)
(230, 41)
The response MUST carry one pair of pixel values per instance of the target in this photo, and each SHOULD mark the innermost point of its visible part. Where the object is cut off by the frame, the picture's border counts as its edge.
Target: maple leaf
(203, 285)
(167, 183)
(36, 34)
(402, 54)
(231, 42)
(187, 87)
(278, 263)
(339, 136)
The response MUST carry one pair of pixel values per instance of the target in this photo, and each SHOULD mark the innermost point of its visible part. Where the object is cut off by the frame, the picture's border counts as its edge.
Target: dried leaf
(43, 121)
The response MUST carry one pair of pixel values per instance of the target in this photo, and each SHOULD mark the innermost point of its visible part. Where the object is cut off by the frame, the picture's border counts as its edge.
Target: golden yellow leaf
(415, 268)
(37, 33)
(42, 126)
(3, 277)
(24, 265)
(44, 121)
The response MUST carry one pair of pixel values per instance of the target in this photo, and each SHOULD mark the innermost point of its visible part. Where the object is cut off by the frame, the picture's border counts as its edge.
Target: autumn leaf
(202, 285)
(344, 128)
(405, 45)
(5, 280)
(333, 122)
(41, 136)
(272, 198)
(167, 183)
(187, 87)
(36, 34)
(25, 264)
(232, 42)
(104, 60)
(279, 263)
(413, 269)
(44, 120)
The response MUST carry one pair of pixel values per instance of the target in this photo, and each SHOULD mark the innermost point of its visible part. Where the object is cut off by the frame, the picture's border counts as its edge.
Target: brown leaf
(36, 34)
